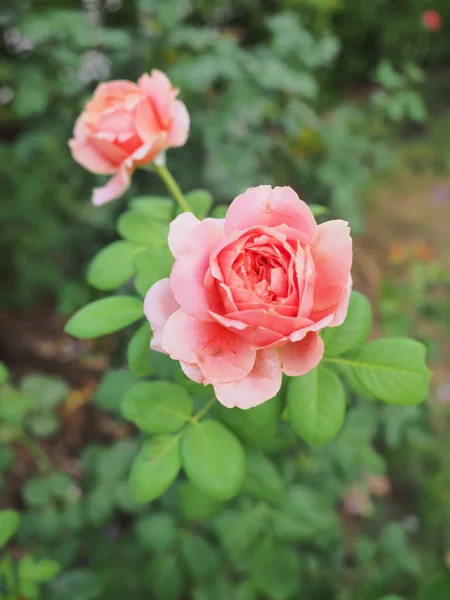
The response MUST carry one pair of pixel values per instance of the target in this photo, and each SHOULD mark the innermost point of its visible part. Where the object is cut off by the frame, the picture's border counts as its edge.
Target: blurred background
(344, 100)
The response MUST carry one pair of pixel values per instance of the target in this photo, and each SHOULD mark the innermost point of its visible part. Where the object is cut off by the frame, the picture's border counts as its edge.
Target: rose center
(263, 274)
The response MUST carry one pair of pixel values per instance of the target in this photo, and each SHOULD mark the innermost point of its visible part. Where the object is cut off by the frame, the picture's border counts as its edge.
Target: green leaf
(262, 479)
(157, 207)
(213, 459)
(276, 571)
(48, 391)
(238, 531)
(166, 582)
(113, 265)
(4, 374)
(156, 532)
(113, 387)
(157, 406)
(151, 266)
(354, 331)
(255, 426)
(318, 209)
(138, 351)
(200, 201)
(219, 211)
(316, 405)
(391, 369)
(14, 405)
(43, 424)
(195, 504)
(155, 468)
(9, 524)
(104, 316)
(61, 485)
(304, 515)
(143, 229)
(115, 461)
(79, 584)
(37, 571)
(201, 558)
(100, 505)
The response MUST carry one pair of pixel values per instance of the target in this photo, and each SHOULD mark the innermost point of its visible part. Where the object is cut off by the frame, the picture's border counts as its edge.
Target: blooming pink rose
(126, 125)
(248, 294)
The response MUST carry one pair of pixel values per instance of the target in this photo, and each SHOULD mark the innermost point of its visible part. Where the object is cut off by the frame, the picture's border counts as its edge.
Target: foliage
(291, 499)
(263, 82)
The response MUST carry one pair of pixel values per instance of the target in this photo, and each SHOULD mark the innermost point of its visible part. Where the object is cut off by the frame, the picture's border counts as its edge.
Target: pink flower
(432, 20)
(125, 125)
(248, 294)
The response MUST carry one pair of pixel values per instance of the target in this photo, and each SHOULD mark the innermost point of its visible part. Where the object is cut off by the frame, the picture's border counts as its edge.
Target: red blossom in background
(432, 20)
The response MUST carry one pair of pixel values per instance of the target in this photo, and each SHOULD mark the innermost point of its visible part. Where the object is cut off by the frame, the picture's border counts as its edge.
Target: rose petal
(189, 270)
(262, 383)
(262, 206)
(180, 234)
(115, 188)
(342, 308)
(220, 354)
(159, 305)
(147, 124)
(271, 320)
(179, 129)
(159, 90)
(87, 155)
(332, 256)
(306, 278)
(193, 372)
(300, 357)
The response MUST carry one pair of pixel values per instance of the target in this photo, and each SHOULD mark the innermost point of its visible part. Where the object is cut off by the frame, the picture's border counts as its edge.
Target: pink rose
(126, 125)
(248, 294)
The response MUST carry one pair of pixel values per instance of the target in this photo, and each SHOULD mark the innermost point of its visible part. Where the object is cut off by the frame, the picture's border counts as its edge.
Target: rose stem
(172, 186)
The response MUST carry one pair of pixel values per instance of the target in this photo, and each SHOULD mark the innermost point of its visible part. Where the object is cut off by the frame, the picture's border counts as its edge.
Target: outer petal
(180, 234)
(262, 383)
(159, 305)
(300, 357)
(270, 319)
(220, 354)
(147, 124)
(189, 270)
(179, 128)
(115, 188)
(341, 311)
(89, 157)
(193, 372)
(332, 256)
(147, 152)
(263, 206)
(159, 90)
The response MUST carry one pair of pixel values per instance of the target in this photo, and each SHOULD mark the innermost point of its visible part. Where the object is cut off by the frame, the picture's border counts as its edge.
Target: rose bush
(248, 294)
(126, 125)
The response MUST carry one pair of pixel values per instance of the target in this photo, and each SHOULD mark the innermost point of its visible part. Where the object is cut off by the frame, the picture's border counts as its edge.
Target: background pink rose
(248, 294)
(126, 125)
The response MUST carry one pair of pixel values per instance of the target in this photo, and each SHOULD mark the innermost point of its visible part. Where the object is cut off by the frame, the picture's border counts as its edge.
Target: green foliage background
(268, 78)
(267, 86)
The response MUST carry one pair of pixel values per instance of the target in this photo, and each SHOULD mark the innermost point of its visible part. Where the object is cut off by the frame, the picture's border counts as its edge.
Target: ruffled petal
(190, 267)
(262, 206)
(332, 256)
(159, 305)
(301, 357)
(220, 354)
(262, 383)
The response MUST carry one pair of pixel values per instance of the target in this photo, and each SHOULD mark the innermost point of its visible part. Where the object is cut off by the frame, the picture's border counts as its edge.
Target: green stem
(202, 412)
(172, 186)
